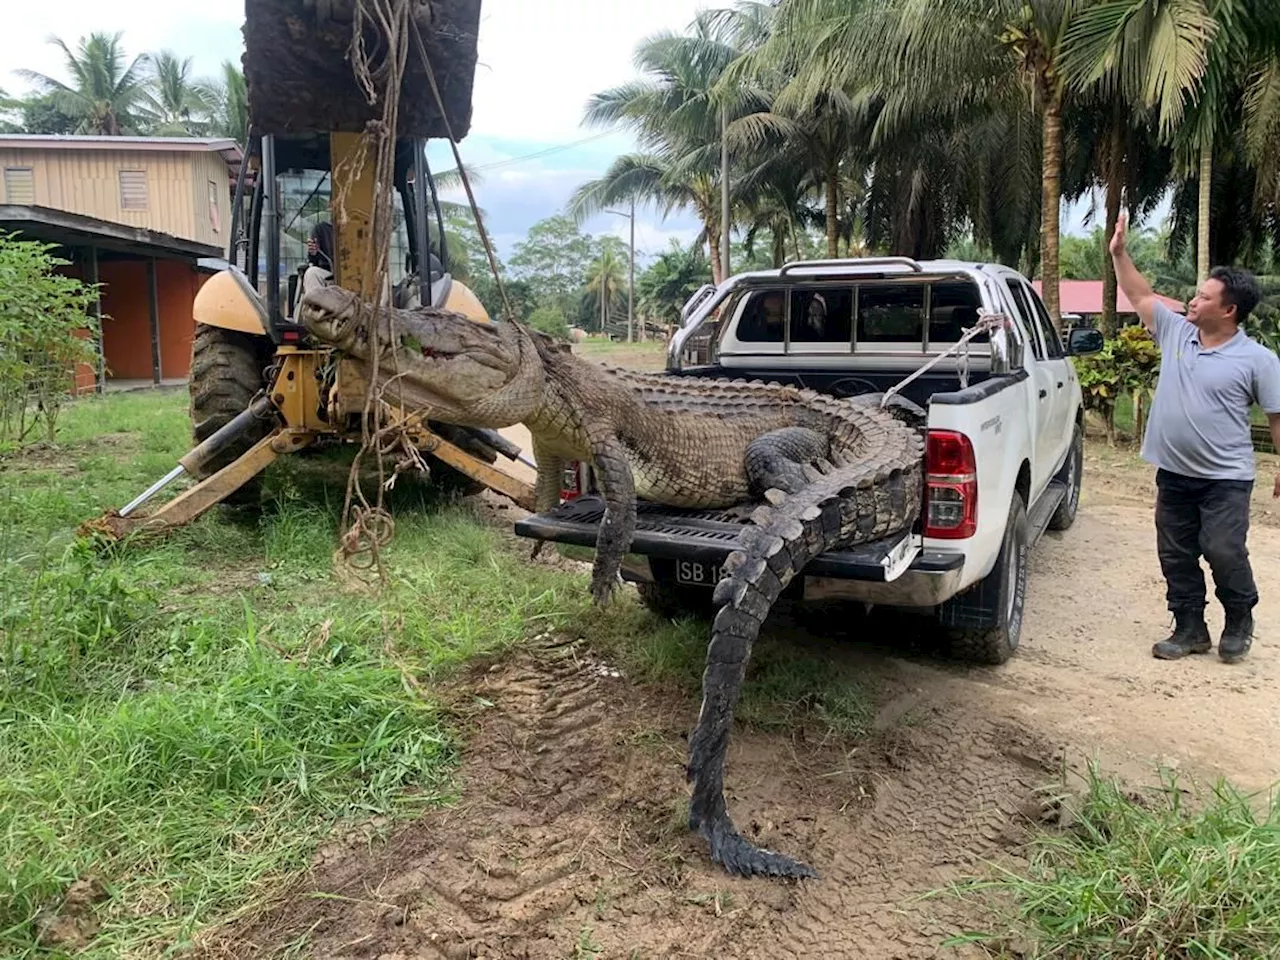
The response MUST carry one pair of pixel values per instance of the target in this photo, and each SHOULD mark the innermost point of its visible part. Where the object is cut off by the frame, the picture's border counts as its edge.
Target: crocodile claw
(740, 857)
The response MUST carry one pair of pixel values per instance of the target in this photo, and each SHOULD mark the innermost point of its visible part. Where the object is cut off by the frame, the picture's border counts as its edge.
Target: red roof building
(1084, 297)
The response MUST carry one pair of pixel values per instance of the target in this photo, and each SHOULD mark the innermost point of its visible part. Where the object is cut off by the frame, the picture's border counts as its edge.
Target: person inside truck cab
(765, 319)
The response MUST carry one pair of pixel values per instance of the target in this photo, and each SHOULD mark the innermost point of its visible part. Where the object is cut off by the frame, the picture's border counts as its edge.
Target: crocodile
(815, 472)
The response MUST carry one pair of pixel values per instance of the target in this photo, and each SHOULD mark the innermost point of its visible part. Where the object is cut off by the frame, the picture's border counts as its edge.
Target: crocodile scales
(826, 473)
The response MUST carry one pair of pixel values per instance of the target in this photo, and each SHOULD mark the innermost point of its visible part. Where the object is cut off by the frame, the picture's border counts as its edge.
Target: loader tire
(226, 374)
(444, 477)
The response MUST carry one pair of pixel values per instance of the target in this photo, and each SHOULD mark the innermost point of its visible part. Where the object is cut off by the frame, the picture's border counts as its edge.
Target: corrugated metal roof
(87, 142)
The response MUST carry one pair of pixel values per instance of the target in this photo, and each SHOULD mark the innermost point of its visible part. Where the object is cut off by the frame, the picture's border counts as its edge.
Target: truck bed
(708, 537)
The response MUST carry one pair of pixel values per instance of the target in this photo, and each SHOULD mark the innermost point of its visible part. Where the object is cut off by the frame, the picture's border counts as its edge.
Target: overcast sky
(540, 60)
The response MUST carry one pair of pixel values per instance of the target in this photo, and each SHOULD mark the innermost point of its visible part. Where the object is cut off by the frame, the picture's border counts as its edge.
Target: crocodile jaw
(437, 361)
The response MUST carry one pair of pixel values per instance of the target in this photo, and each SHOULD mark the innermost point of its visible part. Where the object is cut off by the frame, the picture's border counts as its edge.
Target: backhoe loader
(258, 388)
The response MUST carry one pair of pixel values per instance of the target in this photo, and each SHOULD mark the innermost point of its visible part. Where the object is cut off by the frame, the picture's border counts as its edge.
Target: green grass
(1144, 875)
(183, 722)
(786, 684)
(1125, 420)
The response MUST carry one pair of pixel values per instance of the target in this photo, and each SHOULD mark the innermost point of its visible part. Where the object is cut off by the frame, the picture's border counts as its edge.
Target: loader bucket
(300, 77)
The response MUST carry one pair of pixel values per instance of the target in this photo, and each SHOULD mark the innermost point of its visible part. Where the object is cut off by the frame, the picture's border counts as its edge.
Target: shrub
(1128, 363)
(42, 317)
(550, 321)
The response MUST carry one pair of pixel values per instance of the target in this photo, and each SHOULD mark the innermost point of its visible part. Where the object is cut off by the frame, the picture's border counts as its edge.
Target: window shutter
(214, 220)
(20, 186)
(133, 189)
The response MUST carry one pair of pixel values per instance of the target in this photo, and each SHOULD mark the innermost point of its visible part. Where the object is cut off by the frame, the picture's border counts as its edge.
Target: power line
(534, 156)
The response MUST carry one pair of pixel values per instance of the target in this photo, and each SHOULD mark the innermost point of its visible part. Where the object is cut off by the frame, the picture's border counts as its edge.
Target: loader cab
(286, 188)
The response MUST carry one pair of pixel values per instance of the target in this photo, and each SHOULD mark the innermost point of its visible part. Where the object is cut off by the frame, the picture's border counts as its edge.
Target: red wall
(127, 317)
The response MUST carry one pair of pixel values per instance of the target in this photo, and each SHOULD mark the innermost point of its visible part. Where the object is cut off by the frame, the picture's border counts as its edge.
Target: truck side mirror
(1084, 341)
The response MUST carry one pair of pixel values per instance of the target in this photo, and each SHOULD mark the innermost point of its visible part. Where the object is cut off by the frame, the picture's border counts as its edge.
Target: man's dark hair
(1240, 288)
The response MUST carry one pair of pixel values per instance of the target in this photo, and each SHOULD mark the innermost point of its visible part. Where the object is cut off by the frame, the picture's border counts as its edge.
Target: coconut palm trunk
(1051, 205)
(1115, 185)
(1202, 220)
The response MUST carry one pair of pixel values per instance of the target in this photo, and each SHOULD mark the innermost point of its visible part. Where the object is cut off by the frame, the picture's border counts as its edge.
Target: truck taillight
(951, 486)
(571, 483)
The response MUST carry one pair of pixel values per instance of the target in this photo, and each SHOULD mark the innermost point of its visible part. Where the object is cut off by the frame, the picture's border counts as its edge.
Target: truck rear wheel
(226, 374)
(673, 601)
(986, 620)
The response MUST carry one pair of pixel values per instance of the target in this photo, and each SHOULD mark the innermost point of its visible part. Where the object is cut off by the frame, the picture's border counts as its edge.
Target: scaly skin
(832, 473)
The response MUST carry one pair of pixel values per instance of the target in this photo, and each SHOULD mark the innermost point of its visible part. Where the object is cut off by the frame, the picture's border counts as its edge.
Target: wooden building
(136, 214)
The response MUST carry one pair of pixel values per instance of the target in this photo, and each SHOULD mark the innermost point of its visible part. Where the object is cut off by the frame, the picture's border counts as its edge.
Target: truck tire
(673, 601)
(1071, 474)
(226, 374)
(986, 620)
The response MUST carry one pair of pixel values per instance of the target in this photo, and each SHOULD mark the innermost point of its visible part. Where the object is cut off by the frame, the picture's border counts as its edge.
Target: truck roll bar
(850, 262)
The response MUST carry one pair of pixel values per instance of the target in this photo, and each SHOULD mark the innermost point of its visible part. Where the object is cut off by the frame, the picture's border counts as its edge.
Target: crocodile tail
(851, 504)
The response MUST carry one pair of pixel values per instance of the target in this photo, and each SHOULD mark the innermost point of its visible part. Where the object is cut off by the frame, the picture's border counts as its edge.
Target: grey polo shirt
(1199, 425)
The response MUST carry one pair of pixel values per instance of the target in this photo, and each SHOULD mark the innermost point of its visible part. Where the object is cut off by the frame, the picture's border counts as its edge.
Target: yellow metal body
(223, 302)
(308, 411)
(212, 490)
(356, 184)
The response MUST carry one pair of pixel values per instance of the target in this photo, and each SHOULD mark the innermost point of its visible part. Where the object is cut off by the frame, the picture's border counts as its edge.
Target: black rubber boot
(1237, 636)
(1190, 635)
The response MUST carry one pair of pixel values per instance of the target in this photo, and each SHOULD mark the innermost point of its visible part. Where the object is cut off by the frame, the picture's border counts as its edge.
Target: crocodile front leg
(619, 522)
(546, 491)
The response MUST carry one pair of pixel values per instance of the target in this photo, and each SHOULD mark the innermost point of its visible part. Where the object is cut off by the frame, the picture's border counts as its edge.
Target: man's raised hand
(1117, 238)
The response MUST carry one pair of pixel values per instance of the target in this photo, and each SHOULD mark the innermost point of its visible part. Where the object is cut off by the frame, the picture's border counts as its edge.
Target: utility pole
(631, 286)
(631, 283)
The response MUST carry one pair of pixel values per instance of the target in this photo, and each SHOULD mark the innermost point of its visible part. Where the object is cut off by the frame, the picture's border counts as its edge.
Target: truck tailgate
(709, 536)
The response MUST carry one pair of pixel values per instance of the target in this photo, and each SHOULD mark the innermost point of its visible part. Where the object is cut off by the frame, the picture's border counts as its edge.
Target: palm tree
(227, 102)
(1191, 64)
(678, 120)
(605, 278)
(934, 62)
(175, 104)
(658, 179)
(664, 288)
(104, 91)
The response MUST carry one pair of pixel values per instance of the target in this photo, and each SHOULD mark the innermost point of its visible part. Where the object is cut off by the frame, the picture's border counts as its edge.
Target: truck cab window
(822, 316)
(1018, 293)
(1052, 339)
(891, 314)
(953, 309)
(763, 318)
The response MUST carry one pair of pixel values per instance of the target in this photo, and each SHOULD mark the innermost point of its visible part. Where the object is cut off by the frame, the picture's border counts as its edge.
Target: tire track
(570, 837)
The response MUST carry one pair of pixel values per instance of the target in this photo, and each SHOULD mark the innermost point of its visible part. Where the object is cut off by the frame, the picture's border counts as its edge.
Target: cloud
(210, 33)
(539, 63)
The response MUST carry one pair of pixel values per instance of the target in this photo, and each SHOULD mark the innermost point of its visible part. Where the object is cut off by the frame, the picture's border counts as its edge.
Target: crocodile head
(468, 373)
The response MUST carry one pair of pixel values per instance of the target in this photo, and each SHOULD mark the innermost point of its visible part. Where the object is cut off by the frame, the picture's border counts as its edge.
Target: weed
(586, 947)
(1139, 876)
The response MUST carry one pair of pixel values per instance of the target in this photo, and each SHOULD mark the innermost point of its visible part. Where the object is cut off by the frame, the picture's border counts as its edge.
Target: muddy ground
(569, 840)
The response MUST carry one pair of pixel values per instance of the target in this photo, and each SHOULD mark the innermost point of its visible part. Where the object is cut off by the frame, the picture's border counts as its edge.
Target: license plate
(692, 574)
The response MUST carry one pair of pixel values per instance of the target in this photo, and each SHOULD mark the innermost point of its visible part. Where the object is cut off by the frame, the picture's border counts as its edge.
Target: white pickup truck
(1004, 444)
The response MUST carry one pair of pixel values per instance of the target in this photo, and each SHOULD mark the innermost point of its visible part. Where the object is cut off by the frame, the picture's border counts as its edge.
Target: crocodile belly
(694, 485)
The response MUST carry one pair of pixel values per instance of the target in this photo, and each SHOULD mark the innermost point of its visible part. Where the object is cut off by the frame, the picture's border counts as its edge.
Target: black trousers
(1208, 518)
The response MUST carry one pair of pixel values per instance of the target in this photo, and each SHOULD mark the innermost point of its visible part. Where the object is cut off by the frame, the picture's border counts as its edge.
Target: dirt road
(569, 840)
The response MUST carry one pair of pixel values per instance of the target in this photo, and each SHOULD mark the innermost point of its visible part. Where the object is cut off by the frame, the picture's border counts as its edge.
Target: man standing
(1198, 438)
